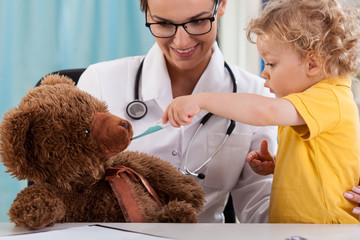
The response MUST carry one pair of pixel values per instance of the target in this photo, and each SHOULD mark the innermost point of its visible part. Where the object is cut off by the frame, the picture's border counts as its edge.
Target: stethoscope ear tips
(201, 175)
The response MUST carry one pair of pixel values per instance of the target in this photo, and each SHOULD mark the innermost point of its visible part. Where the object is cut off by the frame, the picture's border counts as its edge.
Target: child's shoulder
(332, 84)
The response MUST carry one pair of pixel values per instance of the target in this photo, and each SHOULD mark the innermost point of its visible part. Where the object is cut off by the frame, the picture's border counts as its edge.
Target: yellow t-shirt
(317, 162)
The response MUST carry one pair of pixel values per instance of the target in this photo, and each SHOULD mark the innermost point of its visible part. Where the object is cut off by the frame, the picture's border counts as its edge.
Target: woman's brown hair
(143, 4)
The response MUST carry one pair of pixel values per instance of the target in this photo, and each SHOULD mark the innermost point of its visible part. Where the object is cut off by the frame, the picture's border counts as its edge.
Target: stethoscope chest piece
(136, 109)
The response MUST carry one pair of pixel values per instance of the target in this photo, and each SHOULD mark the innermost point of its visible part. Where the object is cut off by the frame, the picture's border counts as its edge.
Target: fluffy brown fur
(64, 139)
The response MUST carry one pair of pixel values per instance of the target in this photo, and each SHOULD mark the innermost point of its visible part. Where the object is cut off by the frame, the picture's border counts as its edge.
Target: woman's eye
(165, 25)
(197, 22)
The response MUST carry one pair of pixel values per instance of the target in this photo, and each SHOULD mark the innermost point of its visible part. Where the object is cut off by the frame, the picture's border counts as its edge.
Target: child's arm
(250, 109)
(261, 162)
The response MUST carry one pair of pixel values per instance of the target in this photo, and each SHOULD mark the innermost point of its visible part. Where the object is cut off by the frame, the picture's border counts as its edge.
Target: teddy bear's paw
(179, 212)
(31, 216)
(198, 201)
(195, 196)
(43, 224)
(35, 209)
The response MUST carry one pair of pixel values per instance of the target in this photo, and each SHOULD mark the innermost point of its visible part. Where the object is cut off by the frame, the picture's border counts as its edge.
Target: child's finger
(180, 118)
(251, 155)
(263, 168)
(172, 118)
(264, 147)
(165, 117)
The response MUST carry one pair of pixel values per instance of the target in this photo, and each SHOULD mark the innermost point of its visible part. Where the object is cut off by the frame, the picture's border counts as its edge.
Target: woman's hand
(354, 196)
(261, 162)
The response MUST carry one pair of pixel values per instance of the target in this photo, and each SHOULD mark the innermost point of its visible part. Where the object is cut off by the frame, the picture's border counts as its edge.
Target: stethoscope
(137, 109)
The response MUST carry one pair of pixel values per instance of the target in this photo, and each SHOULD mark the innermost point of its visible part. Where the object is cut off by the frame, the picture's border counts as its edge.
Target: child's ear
(314, 64)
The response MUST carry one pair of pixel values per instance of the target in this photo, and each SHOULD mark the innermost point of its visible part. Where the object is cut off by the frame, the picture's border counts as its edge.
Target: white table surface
(219, 231)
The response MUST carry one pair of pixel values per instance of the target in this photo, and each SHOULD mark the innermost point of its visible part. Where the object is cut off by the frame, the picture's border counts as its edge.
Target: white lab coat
(113, 82)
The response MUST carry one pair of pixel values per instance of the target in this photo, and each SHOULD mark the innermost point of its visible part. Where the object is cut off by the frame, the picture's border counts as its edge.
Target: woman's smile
(185, 53)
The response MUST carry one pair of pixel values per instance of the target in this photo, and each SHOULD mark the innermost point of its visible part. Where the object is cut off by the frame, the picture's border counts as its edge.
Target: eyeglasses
(194, 27)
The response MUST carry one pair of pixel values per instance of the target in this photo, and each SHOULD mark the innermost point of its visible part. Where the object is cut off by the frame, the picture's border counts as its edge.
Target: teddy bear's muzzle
(125, 125)
(111, 133)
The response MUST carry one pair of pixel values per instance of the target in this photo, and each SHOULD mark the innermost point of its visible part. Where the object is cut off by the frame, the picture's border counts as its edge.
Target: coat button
(174, 153)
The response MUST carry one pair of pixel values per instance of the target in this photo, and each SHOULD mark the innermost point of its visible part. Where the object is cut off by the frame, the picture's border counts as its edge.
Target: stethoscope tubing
(194, 172)
(202, 122)
(137, 80)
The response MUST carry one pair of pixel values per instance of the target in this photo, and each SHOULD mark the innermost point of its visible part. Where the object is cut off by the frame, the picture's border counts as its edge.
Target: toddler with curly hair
(311, 50)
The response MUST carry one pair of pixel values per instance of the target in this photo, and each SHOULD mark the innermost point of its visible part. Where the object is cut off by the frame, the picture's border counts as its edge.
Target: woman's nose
(181, 37)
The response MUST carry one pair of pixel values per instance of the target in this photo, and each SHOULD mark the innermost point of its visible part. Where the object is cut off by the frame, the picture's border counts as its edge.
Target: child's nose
(265, 74)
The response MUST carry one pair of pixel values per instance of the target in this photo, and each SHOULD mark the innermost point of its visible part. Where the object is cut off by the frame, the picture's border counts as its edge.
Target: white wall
(233, 42)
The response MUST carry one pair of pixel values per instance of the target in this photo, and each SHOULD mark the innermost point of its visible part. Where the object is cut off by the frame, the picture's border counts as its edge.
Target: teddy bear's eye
(87, 132)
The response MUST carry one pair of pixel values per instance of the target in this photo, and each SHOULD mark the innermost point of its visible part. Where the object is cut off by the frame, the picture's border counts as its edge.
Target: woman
(186, 59)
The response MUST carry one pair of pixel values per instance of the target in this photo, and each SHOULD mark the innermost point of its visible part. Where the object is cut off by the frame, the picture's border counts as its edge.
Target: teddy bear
(74, 150)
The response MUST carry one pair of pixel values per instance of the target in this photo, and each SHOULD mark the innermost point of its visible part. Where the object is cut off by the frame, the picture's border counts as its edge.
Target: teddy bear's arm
(36, 206)
(168, 182)
(174, 185)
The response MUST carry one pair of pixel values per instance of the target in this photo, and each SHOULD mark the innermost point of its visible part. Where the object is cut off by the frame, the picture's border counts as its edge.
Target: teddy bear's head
(61, 135)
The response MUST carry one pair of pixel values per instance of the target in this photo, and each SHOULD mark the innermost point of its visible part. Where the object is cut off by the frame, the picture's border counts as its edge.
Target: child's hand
(261, 162)
(181, 111)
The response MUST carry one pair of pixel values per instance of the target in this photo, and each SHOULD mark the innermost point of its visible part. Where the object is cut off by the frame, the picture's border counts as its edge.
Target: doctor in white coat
(184, 60)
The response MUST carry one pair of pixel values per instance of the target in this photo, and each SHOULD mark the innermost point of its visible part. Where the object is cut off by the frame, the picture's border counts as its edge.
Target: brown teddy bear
(72, 148)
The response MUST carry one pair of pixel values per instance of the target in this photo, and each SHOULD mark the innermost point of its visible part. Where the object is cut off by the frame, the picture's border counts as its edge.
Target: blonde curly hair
(323, 26)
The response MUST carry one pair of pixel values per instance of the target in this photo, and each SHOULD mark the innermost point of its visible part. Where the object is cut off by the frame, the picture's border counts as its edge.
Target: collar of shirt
(337, 81)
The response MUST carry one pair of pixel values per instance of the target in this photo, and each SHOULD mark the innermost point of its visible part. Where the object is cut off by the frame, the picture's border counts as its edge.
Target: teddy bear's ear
(53, 79)
(13, 132)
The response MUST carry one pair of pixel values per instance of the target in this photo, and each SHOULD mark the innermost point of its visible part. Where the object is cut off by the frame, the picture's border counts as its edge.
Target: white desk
(220, 231)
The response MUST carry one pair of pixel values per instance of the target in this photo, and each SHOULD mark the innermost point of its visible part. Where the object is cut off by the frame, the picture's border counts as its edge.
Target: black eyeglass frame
(211, 19)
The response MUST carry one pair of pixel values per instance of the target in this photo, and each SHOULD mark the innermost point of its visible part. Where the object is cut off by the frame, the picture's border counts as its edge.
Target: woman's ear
(221, 10)
(314, 64)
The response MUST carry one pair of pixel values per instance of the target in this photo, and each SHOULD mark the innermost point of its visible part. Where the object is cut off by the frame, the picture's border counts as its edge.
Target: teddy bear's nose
(125, 125)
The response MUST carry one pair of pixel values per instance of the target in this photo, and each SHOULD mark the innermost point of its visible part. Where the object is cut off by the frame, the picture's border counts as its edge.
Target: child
(310, 49)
